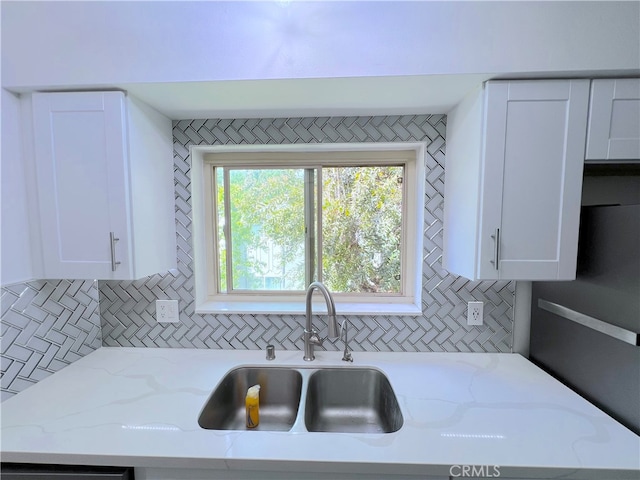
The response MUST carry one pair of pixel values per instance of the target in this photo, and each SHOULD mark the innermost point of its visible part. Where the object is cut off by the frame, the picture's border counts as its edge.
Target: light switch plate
(474, 313)
(167, 311)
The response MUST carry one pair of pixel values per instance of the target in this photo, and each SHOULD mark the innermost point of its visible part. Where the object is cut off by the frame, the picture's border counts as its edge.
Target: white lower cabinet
(514, 164)
(104, 176)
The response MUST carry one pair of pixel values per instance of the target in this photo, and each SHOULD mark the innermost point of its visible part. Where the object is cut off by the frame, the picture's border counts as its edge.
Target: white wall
(106, 43)
(15, 256)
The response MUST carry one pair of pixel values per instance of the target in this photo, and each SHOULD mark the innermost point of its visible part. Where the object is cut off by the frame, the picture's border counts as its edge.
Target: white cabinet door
(524, 141)
(82, 179)
(614, 120)
(532, 179)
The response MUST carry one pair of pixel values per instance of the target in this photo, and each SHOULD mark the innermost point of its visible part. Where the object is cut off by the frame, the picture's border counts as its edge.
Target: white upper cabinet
(16, 265)
(104, 174)
(514, 164)
(614, 120)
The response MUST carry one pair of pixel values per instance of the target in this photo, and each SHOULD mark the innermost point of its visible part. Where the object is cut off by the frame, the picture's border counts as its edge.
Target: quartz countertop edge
(139, 407)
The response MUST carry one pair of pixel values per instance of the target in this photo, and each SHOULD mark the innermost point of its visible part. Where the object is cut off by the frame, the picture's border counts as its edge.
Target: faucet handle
(313, 337)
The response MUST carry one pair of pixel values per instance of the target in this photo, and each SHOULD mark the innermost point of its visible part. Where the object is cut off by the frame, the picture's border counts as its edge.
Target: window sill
(298, 308)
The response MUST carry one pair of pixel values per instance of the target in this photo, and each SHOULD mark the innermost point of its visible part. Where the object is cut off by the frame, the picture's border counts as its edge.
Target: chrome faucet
(310, 336)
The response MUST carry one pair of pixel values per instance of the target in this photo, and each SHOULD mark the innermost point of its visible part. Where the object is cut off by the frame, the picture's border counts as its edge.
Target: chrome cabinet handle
(496, 249)
(113, 239)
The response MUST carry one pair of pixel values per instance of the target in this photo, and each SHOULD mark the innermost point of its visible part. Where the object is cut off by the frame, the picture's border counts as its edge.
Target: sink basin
(351, 400)
(280, 390)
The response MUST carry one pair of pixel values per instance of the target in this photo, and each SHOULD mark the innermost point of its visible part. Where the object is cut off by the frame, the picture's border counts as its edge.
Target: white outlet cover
(475, 313)
(167, 311)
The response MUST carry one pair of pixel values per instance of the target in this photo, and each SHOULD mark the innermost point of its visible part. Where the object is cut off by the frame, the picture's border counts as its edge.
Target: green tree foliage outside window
(362, 228)
(362, 211)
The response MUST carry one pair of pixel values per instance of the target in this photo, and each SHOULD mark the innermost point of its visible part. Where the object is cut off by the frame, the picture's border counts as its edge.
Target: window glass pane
(362, 229)
(222, 243)
(311, 223)
(267, 228)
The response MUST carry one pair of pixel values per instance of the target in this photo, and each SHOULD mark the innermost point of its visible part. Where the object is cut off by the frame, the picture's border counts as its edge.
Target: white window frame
(204, 260)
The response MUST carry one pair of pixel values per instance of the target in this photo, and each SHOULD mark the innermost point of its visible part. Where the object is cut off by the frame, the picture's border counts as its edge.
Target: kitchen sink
(280, 390)
(351, 400)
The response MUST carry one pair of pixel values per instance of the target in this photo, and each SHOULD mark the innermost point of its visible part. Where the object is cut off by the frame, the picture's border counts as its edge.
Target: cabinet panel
(531, 170)
(82, 182)
(614, 120)
(17, 264)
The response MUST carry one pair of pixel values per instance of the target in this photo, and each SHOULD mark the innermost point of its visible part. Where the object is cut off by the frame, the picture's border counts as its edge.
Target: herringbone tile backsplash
(128, 308)
(46, 325)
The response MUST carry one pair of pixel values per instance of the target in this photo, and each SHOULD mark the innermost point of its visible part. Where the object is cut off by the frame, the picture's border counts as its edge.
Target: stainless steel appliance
(587, 332)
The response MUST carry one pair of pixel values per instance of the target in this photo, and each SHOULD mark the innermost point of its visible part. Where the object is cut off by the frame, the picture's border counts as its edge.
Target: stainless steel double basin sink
(350, 400)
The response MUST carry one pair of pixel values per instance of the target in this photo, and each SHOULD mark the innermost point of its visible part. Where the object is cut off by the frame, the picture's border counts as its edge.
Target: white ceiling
(393, 95)
(290, 58)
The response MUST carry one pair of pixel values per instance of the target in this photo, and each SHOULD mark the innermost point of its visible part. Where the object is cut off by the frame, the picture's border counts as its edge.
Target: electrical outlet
(167, 311)
(474, 313)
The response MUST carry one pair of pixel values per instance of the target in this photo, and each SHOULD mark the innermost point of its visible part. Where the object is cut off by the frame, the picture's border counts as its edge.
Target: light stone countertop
(139, 407)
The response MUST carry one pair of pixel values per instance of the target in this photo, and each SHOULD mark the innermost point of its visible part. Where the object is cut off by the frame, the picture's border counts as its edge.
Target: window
(270, 220)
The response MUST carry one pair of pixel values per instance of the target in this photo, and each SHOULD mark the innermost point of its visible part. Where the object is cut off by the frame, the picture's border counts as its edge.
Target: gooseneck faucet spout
(346, 356)
(310, 336)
